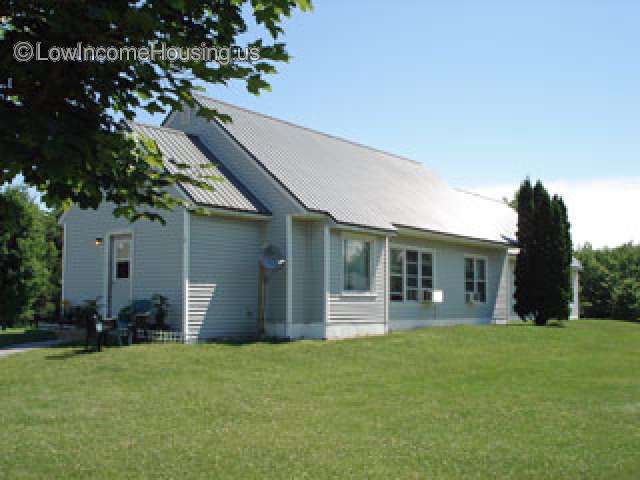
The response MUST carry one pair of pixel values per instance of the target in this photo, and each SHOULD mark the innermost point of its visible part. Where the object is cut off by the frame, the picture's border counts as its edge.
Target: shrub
(626, 300)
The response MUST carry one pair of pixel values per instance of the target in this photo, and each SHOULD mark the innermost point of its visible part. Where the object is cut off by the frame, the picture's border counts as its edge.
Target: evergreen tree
(562, 236)
(542, 255)
(523, 292)
(544, 262)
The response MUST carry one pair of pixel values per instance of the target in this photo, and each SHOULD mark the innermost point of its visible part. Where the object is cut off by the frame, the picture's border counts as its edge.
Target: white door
(120, 274)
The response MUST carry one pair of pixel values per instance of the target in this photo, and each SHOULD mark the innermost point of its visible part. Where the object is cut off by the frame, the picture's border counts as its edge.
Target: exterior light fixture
(98, 242)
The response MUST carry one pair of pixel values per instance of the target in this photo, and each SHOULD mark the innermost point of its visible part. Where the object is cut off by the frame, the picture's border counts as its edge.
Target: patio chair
(142, 311)
(122, 328)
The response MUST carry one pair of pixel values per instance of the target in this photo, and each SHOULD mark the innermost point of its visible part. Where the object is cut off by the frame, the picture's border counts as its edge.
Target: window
(357, 265)
(122, 259)
(396, 281)
(411, 271)
(475, 278)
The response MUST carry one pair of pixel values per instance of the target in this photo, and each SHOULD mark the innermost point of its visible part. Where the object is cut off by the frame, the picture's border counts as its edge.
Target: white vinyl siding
(223, 277)
(449, 264)
(308, 272)
(252, 176)
(355, 313)
(156, 257)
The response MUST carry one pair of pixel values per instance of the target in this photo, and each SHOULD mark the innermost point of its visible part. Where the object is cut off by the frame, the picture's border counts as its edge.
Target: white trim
(63, 217)
(450, 238)
(355, 293)
(289, 258)
(327, 267)
(372, 274)
(64, 269)
(420, 250)
(186, 254)
(357, 230)
(222, 212)
(475, 257)
(106, 244)
(387, 284)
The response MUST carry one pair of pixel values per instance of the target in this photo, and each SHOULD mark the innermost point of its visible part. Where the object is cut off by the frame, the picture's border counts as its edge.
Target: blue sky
(483, 92)
(547, 89)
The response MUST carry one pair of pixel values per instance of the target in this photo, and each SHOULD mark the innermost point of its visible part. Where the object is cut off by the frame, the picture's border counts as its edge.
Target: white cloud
(602, 212)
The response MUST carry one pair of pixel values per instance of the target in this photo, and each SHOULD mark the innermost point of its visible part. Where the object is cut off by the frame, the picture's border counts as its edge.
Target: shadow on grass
(71, 353)
(551, 323)
(81, 349)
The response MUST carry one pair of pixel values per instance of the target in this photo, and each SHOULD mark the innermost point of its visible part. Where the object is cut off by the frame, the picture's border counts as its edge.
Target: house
(369, 242)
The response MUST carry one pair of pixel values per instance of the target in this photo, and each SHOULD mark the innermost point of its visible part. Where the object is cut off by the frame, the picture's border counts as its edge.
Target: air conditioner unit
(469, 297)
(476, 297)
(426, 295)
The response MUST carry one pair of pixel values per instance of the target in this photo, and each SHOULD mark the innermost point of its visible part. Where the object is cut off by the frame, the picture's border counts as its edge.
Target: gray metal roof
(227, 193)
(363, 186)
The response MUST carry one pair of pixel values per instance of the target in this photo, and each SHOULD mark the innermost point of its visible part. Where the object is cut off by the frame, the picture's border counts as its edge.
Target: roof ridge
(157, 127)
(312, 130)
(485, 197)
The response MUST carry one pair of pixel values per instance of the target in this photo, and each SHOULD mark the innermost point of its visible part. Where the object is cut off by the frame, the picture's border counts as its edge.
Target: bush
(609, 281)
(626, 300)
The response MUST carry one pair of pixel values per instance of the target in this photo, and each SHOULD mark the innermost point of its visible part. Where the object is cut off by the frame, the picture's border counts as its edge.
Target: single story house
(305, 236)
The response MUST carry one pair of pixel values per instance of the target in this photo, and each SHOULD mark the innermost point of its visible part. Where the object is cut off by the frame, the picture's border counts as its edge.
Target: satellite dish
(271, 259)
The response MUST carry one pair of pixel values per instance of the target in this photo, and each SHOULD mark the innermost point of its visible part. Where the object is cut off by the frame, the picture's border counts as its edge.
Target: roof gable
(228, 193)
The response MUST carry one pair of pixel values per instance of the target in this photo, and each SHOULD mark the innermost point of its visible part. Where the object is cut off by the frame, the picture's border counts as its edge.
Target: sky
(483, 93)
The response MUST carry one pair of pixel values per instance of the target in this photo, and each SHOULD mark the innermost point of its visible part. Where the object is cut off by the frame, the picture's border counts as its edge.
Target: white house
(365, 237)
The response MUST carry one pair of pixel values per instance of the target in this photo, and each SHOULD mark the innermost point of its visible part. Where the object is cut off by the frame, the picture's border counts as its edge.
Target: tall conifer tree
(543, 265)
(523, 292)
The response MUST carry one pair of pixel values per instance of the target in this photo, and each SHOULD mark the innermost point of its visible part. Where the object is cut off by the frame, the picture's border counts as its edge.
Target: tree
(524, 302)
(560, 259)
(26, 255)
(609, 281)
(544, 262)
(65, 122)
(626, 300)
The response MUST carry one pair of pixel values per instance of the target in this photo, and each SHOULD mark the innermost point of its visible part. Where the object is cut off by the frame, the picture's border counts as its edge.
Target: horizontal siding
(351, 309)
(223, 277)
(449, 277)
(308, 272)
(157, 256)
(251, 175)
(502, 303)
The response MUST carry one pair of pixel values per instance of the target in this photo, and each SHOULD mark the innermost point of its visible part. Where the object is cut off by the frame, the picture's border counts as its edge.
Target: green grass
(464, 402)
(13, 336)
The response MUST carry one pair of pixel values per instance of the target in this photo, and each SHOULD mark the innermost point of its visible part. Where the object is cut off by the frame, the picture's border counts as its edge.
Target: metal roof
(228, 193)
(363, 186)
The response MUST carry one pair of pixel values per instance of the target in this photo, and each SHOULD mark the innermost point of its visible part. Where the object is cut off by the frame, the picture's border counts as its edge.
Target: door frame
(107, 277)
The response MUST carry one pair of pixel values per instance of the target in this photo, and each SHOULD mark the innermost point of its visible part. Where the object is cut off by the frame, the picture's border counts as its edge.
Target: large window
(411, 271)
(475, 278)
(122, 257)
(357, 265)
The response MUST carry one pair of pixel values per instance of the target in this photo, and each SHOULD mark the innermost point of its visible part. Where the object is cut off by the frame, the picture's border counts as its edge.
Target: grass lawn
(12, 336)
(463, 402)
